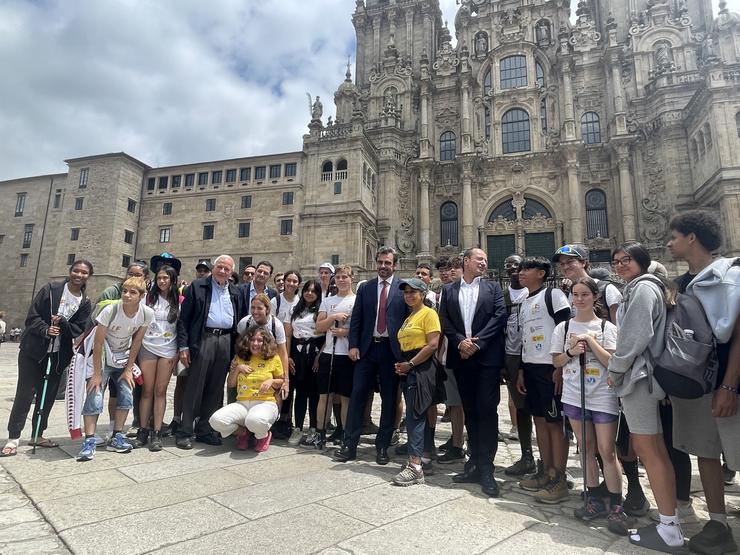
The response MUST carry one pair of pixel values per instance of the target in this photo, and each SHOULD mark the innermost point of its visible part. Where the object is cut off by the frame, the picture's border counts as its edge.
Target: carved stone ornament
(448, 117)
(600, 243)
(655, 212)
(446, 61)
(405, 235)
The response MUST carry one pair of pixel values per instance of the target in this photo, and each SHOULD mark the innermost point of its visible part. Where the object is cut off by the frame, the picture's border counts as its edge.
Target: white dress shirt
(389, 281)
(468, 300)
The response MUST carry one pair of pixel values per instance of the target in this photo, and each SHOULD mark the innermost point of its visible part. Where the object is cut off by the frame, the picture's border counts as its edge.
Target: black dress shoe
(382, 457)
(488, 485)
(345, 454)
(209, 439)
(468, 476)
(184, 443)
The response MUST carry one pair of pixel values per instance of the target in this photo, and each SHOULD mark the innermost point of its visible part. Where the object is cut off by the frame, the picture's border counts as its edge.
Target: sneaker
(132, 431)
(514, 434)
(296, 437)
(173, 427)
(155, 441)
(536, 481)
(427, 468)
(261, 445)
(715, 537)
(728, 474)
(88, 450)
(308, 438)
(635, 503)
(242, 441)
(618, 522)
(592, 509)
(555, 491)
(142, 438)
(523, 466)
(686, 512)
(451, 455)
(409, 476)
(99, 441)
(336, 436)
(119, 444)
(395, 437)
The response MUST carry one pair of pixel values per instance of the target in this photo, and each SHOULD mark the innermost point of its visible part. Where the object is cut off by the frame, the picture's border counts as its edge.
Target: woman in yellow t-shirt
(418, 338)
(257, 373)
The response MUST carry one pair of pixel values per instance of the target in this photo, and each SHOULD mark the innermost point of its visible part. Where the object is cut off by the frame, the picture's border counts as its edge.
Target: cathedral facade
(531, 131)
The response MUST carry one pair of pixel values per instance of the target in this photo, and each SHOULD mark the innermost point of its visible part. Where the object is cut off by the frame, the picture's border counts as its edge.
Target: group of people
(579, 358)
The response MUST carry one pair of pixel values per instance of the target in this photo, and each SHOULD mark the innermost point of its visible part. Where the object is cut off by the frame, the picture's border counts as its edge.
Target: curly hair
(701, 223)
(269, 345)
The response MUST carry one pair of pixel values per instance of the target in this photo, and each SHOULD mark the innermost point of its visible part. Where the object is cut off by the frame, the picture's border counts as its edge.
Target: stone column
(467, 143)
(410, 33)
(376, 39)
(424, 248)
(616, 84)
(575, 202)
(467, 210)
(626, 193)
(570, 129)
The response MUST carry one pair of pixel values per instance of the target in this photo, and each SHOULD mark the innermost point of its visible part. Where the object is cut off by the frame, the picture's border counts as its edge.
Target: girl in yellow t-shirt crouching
(257, 373)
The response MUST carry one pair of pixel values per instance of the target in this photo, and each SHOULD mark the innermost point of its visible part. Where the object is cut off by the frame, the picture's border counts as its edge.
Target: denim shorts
(94, 400)
(597, 417)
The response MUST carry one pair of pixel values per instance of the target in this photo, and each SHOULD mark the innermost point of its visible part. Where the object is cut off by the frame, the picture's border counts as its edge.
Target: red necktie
(381, 308)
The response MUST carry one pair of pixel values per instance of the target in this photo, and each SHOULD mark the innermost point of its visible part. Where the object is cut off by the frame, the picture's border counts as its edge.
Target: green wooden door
(499, 247)
(539, 244)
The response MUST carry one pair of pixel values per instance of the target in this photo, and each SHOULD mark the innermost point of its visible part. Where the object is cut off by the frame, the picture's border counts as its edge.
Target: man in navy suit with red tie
(378, 313)
(473, 316)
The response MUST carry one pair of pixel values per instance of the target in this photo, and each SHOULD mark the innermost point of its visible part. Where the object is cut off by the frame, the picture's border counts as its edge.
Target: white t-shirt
(599, 396)
(537, 325)
(279, 328)
(304, 326)
(286, 307)
(161, 336)
(69, 304)
(333, 305)
(122, 329)
(613, 296)
(513, 332)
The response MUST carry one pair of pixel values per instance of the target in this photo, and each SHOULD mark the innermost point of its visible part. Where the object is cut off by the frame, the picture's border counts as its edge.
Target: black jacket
(35, 342)
(194, 312)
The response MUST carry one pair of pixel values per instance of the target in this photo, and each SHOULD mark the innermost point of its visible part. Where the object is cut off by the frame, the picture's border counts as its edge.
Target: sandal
(651, 539)
(44, 442)
(10, 449)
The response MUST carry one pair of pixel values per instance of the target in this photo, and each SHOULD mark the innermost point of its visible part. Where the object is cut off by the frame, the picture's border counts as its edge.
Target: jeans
(94, 400)
(256, 416)
(415, 425)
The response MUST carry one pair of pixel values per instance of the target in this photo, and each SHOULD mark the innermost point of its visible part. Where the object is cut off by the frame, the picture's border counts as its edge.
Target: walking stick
(40, 404)
(584, 453)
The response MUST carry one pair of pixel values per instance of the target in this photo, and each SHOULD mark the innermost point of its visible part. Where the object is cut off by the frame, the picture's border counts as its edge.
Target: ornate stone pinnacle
(348, 75)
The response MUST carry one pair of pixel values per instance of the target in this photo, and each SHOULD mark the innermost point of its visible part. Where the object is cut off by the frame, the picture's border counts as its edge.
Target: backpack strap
(548, 302)
(507, 301)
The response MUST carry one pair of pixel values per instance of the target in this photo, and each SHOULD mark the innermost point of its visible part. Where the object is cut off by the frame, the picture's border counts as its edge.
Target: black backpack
(602, 285)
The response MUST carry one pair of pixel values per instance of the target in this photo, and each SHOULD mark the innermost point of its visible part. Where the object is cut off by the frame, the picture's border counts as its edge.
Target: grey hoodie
(717, 287)
(641, 318)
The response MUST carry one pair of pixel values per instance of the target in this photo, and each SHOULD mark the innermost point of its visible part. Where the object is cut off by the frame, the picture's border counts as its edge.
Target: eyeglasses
(624, 261)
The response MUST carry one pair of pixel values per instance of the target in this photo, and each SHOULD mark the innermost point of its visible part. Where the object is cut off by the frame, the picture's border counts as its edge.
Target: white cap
(327, 265)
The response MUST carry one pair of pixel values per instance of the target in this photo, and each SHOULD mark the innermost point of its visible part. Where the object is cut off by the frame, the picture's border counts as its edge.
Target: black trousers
(204, 393)
(480, 392)
(376, 366)
(31, 373)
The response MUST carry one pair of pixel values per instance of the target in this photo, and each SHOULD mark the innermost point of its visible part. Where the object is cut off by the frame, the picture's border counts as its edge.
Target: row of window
(515, 133)
(243, 230)
(217, 176)
(513, 74)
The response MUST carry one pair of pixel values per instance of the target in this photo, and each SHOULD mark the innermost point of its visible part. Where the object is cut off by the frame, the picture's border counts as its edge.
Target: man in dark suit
(473, 316)
(258, 284)
(378, 313)
(209, 314)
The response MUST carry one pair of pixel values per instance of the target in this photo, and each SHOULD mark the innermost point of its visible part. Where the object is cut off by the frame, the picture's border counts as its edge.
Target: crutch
(584, 451)
(40, 404)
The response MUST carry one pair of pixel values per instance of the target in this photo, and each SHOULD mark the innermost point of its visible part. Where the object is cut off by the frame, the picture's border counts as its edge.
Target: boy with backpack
(118, 335)
(710, 425)
(539, 314)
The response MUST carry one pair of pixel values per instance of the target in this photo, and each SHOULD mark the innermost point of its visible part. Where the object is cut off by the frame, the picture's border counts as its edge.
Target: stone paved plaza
(287, 500)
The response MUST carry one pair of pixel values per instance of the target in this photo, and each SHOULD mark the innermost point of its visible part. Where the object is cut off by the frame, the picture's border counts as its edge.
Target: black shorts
(342, 373)
(541, 399)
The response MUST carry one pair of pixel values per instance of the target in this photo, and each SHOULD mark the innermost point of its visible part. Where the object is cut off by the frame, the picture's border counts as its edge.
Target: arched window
(590, 128)
(539, 74)
(487, 83)
(447, 146)
(448, 224)
(327, 167)
(597, 223)
(708, 135)
(487, 122)
(515, 131)
(513, 72)
(737, 124)
(700, 143)
(504, 210)
(532, 208)
(342, 165)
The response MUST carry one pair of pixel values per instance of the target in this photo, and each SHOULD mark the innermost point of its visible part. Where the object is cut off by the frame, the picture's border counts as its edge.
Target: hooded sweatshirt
(641, 318)
(717, 288)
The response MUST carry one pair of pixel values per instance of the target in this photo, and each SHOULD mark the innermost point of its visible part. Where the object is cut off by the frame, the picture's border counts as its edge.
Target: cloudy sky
(167, 81)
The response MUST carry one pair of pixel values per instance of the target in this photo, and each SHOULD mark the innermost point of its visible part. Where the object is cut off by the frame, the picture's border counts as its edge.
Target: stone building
(530, 132)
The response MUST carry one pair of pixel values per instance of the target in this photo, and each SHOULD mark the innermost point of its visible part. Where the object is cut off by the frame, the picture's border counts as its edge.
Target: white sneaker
(686, 513)
(514, 434)
(295, 437)
(309, 438)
